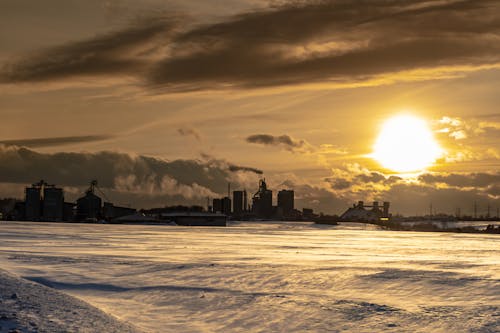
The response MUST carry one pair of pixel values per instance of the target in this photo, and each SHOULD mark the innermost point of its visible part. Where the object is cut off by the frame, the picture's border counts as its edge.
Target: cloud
(54, 141)
(126, 52)
(236, 168)
(413, 194)
(468, 139)
(189, 131)
(307, 42)
(461, 180)
(284, 141)
(136, 178)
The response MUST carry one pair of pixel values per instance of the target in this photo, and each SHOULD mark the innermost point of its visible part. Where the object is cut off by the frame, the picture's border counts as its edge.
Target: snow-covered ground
(258, 277)
(30, 307)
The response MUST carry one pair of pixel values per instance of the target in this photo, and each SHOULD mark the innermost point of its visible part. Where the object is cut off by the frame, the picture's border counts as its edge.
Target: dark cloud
(446, 191)
(118, 53)
(296, 43)
(284, 141)
(480, 179)
(121, 173)
(346, 180)
(339, 183)
(189, 131)
(54, 141)
(235, 168)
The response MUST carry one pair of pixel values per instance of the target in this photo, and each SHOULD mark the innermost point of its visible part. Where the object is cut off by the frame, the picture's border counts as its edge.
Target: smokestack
(229, 190)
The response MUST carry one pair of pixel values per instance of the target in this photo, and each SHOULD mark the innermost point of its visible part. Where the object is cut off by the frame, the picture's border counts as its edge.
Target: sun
(406, 144)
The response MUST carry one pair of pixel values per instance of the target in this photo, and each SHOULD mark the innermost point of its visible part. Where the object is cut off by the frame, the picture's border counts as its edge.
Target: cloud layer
(147, 181)
(321, 42)
(140, 177)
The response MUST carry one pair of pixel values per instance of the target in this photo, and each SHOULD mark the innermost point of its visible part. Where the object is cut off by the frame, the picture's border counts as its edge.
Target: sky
(165, 102)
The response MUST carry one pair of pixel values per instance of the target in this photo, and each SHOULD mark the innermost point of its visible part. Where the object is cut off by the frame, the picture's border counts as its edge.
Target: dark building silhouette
(226, 206)
(33, 206)
(43, 202)
(89, 206)
(307, 213)
(262, 201)
(286, 201)
(110, 211)
(239, 202)
(53, 203)
(362, 212)
(222, 205)
(217, 205)
(68, 211)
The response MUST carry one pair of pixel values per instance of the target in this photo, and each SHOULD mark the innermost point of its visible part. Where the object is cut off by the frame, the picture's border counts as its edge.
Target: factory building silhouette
(45, 202)
(261, 207)
(362, 212)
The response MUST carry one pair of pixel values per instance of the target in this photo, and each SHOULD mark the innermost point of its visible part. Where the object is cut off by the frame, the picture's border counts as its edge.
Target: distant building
(199, 219)
(222, 205)
(362, 212)
(33, 207)
(262, 201)
(110, 211)
(307, 213)
(239, 202)
(226, 206)
(68, 211)
(43, 202)
(53, 204)
(217, 205)
(89, 206)
(286, 201)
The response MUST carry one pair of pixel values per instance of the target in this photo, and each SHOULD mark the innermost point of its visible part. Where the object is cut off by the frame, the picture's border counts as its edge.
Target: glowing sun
(406, 144)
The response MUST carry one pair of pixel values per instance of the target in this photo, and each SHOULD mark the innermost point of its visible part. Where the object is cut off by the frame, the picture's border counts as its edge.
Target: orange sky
(298, 91)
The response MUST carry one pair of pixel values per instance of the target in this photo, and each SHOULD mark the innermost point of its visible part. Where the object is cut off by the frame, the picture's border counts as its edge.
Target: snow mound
(29, 307)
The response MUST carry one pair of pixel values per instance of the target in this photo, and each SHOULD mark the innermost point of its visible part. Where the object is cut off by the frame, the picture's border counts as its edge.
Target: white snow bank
(26, 306)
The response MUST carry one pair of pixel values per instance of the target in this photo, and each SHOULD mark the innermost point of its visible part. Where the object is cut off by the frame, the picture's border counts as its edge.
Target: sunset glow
(406, 143)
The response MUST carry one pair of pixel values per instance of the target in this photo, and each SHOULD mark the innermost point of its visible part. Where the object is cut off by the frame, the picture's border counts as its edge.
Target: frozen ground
(278, 277)
(30, 307)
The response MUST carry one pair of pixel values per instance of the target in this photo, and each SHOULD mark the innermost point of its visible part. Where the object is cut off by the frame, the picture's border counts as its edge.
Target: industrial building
(88, 207)
(44, 202)
(33, 200)
(286, 200)
(110, 211)
(262, 201)
(53, 204)
(222, 205)
(239, 202)
(199, 219)
(364, 213)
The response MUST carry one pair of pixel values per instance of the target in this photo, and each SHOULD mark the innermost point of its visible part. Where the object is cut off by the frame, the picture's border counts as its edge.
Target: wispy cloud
(189, 131)
(54, 141)
(309, 42)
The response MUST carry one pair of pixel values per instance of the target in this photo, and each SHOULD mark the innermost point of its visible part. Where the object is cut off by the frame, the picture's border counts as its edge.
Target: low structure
(363, 213)
(196, 218)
